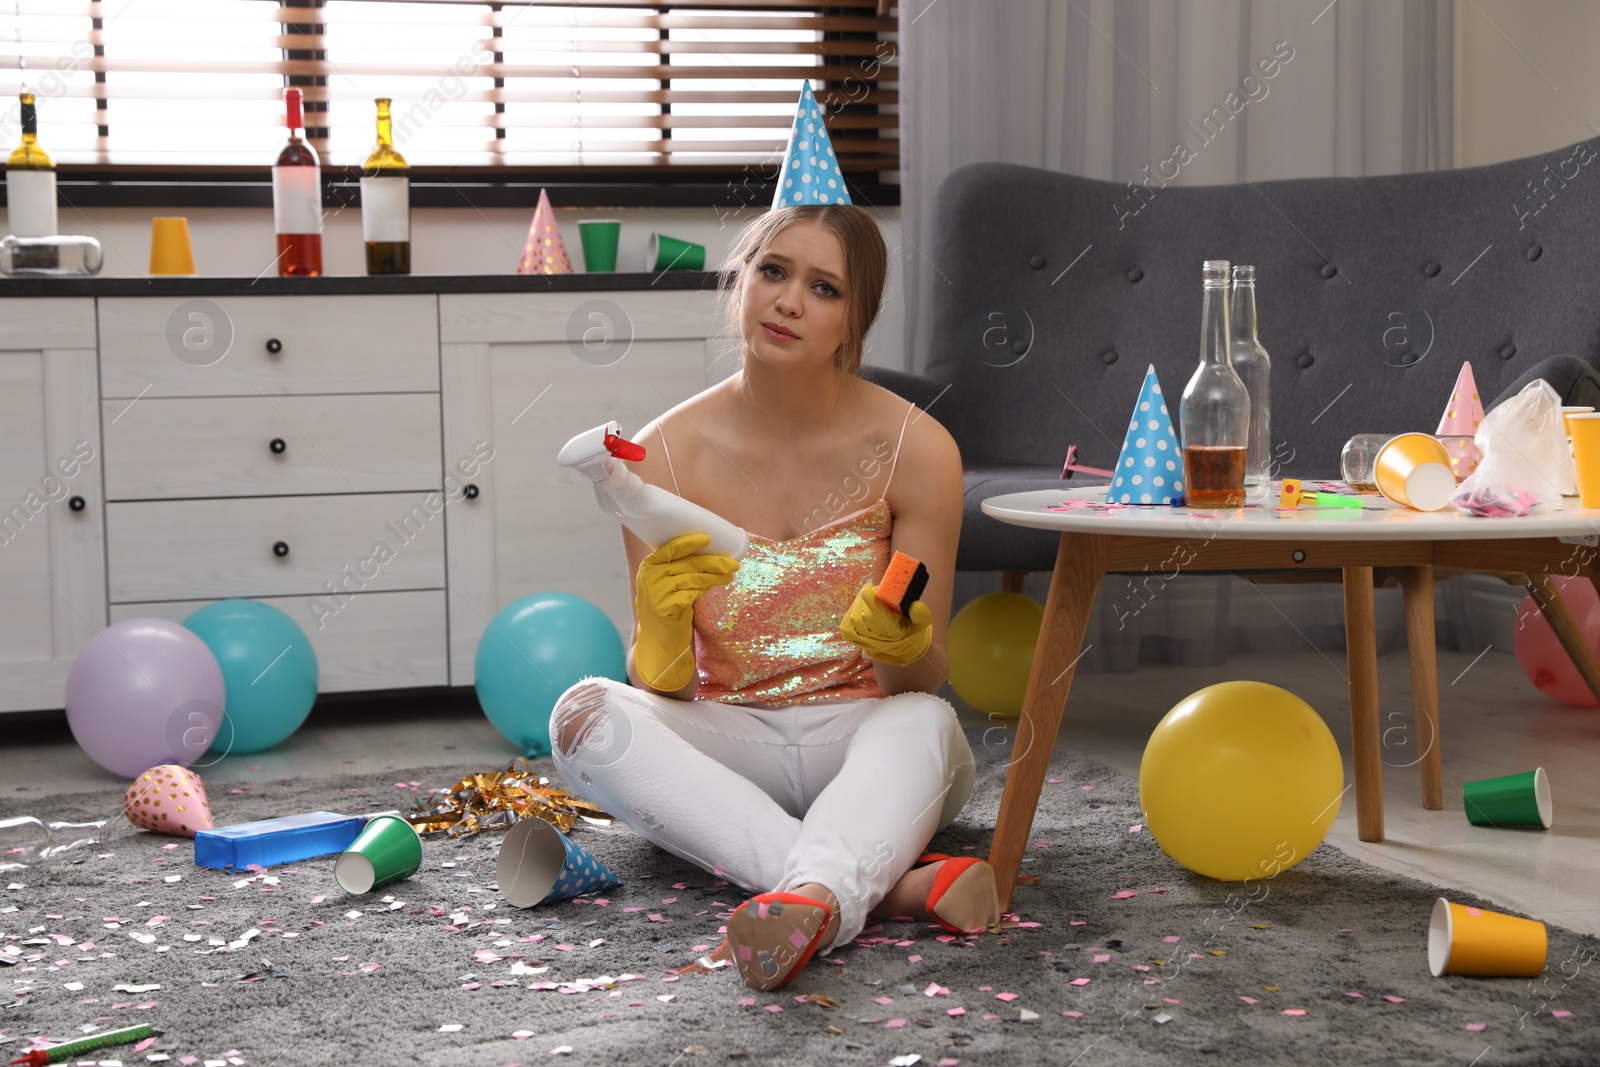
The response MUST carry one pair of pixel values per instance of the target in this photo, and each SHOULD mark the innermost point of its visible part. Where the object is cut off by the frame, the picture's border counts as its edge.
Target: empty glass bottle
(1214, 414)
(1251, 364)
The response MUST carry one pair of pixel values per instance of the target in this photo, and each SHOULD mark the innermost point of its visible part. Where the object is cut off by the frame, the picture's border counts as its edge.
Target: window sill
(170, 187)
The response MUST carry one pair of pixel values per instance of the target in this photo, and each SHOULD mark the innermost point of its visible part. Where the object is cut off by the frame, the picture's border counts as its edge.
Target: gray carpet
(395, 984)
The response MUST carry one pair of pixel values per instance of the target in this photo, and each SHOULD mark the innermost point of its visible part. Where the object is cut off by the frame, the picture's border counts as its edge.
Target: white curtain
(1106, 88)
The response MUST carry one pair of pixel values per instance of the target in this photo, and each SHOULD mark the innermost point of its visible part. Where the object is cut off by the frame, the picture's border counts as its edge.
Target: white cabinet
(524, 373)
(285, 449)
(52, 517)
(379, 465)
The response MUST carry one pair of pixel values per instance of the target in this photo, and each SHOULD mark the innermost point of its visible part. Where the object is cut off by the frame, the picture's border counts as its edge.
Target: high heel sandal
(963, 893)
(769, 968)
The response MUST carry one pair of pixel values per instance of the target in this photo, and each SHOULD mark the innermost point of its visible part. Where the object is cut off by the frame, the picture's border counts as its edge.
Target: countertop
(344, 285)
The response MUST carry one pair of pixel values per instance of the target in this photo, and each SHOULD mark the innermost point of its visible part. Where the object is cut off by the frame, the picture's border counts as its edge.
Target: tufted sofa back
(1054, 292)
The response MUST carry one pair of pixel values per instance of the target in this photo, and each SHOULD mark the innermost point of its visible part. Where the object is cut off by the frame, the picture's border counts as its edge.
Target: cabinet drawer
(159, 448)
(192, 549)
(610, 320)
(245, 346)
(369, 641)
(67, 322)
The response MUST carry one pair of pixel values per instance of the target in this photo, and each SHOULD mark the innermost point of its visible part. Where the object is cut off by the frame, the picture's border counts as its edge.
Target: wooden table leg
(1548, 596)
(1361, 643)
(1080, 564)
(1417, 582)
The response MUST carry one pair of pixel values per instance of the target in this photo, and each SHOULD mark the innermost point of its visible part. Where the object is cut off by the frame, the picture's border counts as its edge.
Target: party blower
(654, 515)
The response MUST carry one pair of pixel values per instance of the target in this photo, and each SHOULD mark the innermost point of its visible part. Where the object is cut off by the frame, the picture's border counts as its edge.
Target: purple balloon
(144, 692)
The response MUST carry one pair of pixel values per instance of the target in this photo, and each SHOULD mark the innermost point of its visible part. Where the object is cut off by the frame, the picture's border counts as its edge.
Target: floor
(1493, 722)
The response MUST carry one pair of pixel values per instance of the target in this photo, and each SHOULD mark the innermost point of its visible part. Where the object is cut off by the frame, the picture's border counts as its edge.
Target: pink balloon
(1539, 651)
(144, 692)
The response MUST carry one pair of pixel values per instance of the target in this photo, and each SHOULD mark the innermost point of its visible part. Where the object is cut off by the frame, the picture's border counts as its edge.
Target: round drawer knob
(280, 548)
(278, 445)
(471, 491)
(1298, 555)
(77, 503)
(274, 345)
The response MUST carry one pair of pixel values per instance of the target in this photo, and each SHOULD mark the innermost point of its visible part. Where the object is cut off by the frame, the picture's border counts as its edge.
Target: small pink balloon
(1539, 652)
(144, 692)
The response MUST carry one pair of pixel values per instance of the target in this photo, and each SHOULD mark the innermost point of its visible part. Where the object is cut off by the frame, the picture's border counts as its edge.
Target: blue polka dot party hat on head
(1150, 468)
(810, 173)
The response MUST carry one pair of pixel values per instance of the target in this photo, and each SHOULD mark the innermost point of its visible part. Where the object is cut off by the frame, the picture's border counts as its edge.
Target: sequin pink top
(771, 635)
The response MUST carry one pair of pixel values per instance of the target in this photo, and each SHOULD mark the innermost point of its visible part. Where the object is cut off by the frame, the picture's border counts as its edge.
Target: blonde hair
(866, 264)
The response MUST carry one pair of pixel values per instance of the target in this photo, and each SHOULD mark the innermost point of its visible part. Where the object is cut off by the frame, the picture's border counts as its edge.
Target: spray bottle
(654, 515)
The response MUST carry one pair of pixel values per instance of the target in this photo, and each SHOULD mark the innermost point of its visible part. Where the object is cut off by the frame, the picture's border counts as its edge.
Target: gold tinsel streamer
(497, 800)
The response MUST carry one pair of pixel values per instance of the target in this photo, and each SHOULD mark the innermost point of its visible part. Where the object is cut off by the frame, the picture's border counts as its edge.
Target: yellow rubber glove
(670, 580)
(883, 633)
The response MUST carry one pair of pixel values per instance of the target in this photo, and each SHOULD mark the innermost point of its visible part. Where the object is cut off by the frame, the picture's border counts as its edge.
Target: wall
(238, 242)
(1527, 81)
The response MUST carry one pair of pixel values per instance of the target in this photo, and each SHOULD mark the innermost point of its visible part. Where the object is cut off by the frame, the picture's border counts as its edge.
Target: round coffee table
(1381, 538)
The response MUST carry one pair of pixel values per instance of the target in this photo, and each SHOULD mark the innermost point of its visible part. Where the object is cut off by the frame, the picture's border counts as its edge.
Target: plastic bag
(1526, 465)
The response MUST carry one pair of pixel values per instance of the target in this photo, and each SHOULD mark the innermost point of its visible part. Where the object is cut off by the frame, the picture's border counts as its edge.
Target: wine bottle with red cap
(297, 198)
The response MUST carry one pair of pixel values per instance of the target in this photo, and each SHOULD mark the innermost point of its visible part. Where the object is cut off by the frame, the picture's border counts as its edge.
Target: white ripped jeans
(842, 793)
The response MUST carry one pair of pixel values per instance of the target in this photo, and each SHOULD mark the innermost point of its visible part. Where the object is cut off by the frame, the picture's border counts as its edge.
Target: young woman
(782, 729)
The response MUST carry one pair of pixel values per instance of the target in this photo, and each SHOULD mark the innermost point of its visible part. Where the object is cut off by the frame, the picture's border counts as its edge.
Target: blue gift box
(273, 841)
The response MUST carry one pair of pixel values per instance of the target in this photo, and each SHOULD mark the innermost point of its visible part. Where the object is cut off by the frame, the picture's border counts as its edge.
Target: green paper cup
(386, 851)
(1512, 800)
(669, 253)
(599, 238)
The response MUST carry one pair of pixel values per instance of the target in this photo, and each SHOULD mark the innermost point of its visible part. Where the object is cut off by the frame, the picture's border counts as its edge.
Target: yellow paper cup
(1473, 941)
(1413, 470)
(169, 246)
(1567, 413)
(1585, 429)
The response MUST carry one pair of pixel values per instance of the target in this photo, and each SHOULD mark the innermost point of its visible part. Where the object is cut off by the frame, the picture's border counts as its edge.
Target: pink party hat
(1460, 420)
(543, 252)
(168, 799)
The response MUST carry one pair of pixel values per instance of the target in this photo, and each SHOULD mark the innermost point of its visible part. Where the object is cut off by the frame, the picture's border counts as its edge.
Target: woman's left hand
(883, 633)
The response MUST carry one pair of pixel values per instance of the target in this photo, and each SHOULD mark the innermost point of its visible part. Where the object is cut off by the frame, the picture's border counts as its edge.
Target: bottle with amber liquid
(386, 203)
(1214, 414)
(297, 198)
(31, 181)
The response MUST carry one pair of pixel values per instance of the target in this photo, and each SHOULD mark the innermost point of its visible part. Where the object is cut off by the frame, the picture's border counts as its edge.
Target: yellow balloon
(990, 644)
(1240, 780)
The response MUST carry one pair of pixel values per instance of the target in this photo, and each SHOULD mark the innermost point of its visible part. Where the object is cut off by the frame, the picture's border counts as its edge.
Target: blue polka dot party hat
(1150, 468)
(810, 173)
(582, 873)
(538, 864)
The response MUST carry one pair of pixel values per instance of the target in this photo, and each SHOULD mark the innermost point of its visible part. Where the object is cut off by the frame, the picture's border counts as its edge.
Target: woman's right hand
(670, 580)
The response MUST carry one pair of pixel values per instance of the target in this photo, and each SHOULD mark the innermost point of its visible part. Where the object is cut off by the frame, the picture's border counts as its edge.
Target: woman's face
(792, 311)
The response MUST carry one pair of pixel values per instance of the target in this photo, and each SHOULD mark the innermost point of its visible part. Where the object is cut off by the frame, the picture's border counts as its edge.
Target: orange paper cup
(169, 246)
(1585, 429)
(1463, 940)
(1414, 471)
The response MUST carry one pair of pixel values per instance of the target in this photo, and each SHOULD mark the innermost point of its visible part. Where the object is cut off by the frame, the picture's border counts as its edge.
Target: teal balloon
(533, 651)
(269, 671)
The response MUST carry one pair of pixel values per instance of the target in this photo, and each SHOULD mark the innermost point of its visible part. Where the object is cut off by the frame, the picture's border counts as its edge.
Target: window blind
(583, 85)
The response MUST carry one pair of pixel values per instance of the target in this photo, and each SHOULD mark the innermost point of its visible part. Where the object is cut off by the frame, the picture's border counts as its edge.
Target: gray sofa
(1055, 292)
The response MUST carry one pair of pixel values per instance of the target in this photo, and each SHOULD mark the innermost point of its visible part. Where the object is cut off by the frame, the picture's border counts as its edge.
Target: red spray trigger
(623, 448)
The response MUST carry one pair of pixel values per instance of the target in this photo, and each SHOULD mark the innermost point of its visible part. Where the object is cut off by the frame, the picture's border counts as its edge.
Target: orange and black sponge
(903, 583)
